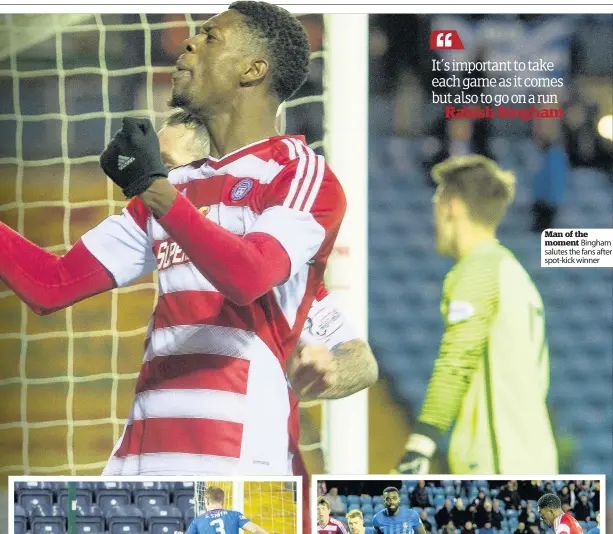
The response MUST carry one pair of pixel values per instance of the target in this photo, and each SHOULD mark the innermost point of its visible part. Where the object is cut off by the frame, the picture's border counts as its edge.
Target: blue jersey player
(217, 520)
(394, 519)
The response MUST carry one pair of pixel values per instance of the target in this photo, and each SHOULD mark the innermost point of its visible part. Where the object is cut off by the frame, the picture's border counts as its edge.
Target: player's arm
(330, 361)
(253, 528)
(472, 305)
(243, 268)
(421, 529)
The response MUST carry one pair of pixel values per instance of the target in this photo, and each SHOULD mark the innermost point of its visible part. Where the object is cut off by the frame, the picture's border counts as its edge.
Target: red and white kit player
(550, 509)
(325, 523)
(240, 241)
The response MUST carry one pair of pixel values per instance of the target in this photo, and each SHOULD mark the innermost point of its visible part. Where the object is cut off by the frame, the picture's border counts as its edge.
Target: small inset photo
(395, 504)
(143, 505)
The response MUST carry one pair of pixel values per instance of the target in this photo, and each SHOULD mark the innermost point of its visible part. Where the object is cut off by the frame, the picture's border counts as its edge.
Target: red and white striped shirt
(334, 525)
(567, 524)
(212, 395)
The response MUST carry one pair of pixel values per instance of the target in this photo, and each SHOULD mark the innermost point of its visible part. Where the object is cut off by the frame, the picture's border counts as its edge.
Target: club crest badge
(240, 189)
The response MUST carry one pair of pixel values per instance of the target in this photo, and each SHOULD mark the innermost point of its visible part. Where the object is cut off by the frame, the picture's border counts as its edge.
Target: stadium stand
(104, 507)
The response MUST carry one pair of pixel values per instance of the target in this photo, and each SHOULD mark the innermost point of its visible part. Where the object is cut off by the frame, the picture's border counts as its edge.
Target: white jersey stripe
(165, 463)
(308, 177)
(300, 172)
(184, 277)
(194, 339)
(321, 166)
(290, 295)
(189, 403)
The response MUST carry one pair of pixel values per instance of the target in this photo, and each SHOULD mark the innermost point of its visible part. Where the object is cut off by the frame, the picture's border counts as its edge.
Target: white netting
(67, 379)
(271, 505)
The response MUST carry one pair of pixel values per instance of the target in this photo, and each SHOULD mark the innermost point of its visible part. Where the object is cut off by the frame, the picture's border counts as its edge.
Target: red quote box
(445, 40)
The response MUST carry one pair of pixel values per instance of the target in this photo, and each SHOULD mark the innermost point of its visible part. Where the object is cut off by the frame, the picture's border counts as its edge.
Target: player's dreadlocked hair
(286, 41)
(549, 500)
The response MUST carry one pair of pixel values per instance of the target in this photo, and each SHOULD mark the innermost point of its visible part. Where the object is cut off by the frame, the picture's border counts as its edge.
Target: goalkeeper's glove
(420, 449)
(132, 158)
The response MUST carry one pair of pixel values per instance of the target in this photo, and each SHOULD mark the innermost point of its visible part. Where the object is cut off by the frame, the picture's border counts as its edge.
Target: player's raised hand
(420, 449)
(310, 370)
(132, 158)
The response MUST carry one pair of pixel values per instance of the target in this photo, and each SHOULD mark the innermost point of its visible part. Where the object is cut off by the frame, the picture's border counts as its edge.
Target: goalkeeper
(492, 374)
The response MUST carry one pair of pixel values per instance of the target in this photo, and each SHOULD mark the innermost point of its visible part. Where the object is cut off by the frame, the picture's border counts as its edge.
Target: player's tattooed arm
(318, 373)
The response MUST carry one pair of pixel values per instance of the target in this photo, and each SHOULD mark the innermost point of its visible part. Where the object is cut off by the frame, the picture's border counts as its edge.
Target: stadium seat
(404, 500)
(109, 497)
(353, 499)
(438, 501)
(377, 499)
(146, 499)
(85, 497)
(31, 497)
(164, 520)
(125, 519)
(89, 520)
(20, 520)
(366, 499)
(49, 525)
(367, 508)
(184, 502)
(343, 498)
(379, 507)
(353, 506)
(189, 516)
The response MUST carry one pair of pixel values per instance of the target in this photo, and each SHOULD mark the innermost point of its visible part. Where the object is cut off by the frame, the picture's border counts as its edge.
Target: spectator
(549, 488)
(449, 528)
(484, 515)
(565, 496)
(497, 515)
(551, 175)
(509, 496)
(468, 528)
(596, 498)
(419, 496)
(582, 511)
(321, 489)
(521, 528)
(528, 516)
(487, 529)
(596, 530)
(478, 502)
(424, 519)
(459, 515)
(530, 490)
(337, 506)
(443, 516)
(472, 512)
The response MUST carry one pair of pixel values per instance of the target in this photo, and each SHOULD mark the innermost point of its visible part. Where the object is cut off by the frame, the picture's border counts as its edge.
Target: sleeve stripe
(321, 167)
(310, 171)
(302, 162)
(308, 178)
(291, 148)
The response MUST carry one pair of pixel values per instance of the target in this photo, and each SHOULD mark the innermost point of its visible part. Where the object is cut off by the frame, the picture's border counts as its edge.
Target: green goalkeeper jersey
(492, 372)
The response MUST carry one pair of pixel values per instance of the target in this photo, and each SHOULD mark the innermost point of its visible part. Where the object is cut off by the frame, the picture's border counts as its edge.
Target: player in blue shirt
(395, 519)
(217, 520)
(355, 521)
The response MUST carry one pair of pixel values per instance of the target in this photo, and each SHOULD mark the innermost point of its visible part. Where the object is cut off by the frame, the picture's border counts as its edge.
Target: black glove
(420, 449)
(132, 158)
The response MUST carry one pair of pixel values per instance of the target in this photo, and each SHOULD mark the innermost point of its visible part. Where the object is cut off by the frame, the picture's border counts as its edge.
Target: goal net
(68, 379)
(271, 505)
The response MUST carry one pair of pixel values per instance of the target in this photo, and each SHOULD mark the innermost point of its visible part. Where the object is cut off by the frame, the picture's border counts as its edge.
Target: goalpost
(69, 377)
